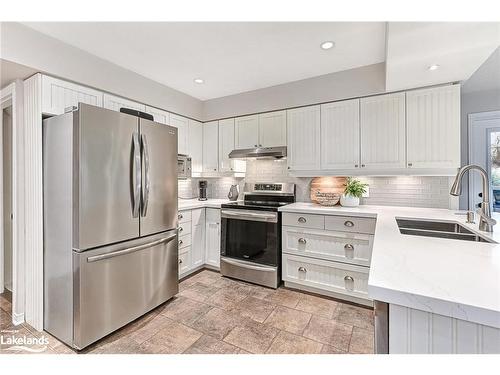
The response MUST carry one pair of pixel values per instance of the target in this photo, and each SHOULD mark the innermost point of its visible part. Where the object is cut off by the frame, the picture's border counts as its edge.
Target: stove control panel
(268, 187)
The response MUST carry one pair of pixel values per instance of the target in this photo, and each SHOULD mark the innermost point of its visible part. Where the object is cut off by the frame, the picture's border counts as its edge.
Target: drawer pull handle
(180, 216)
(349, 223)
(180, 229)
(348, 278)
(180, 261)
(348, 247)
(302, 240)
(302, 269)
(180, 242)
(302, 219)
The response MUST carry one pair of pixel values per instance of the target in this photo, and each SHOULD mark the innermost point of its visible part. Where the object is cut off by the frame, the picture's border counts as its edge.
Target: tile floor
(213, 314)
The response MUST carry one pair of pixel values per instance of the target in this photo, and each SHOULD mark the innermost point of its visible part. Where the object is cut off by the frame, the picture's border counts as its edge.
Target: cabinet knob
(180, 242)
(215, 169)
(301, 219)
(255, 145)
(349, 223)
(302, 240)
(180, 216)
(362, 165)
(302, 269)
(356, 165)
(348, 247)
(231, 168)
(260, 145)
(180, 229)
(288, 167)
(180, 261)
(410, 164)
(348, 278)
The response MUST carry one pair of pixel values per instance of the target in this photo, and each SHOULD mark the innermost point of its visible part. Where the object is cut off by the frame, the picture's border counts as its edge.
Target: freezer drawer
(117, 284)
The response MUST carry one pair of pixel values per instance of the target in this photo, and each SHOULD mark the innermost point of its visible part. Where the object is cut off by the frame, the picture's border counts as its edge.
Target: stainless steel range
(251, 233)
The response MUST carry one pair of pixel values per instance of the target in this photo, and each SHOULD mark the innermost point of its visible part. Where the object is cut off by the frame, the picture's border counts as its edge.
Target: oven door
(251, 235)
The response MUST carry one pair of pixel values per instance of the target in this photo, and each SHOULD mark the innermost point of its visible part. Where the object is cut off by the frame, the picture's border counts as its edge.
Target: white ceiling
(230, 57)
(458, 47)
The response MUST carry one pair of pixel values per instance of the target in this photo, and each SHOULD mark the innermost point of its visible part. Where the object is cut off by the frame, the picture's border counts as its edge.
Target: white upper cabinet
(383, 135)
(210, 146)
(163, 117)
(57, 95)
(246, 132)
(303, 138)
(433, 122)
(182, 125)
(226, 144)
(272, 129)
(115, 103)
(195, 145)
(340, 135)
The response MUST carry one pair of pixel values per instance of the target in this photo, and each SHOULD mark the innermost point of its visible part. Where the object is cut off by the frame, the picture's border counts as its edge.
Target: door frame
(13, 94)
(473, 119)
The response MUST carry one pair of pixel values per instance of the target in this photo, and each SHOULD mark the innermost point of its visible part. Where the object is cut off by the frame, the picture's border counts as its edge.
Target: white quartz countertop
(455, 278)
(189, 204)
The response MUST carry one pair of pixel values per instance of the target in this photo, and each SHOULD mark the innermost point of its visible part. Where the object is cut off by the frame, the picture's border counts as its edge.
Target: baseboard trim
(17, 318)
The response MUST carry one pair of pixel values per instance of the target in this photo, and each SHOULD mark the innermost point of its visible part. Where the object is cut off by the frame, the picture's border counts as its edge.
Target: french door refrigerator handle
(129, 250)
(136, 175)
(145, 192)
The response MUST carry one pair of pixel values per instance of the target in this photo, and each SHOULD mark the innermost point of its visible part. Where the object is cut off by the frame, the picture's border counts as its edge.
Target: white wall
(366, 80)
(27, 47)
(480, 93)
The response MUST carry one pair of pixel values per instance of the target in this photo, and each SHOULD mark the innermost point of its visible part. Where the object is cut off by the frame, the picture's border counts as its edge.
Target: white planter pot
(349, 201)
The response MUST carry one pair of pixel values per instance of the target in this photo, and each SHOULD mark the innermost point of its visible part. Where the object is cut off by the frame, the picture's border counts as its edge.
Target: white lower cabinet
(198, 237)
(328, 254)
(213, 226)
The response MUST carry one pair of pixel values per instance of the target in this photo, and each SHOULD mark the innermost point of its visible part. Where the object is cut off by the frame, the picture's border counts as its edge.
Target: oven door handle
(250, 215)
(247, 265)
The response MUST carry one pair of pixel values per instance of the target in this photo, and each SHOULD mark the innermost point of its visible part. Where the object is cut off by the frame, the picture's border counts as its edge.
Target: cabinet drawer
(350, 224)
(184, 228)
(304, 220)
(354, 248)
(184, 216)
(184, 260)
(322, 274)
(184, 241)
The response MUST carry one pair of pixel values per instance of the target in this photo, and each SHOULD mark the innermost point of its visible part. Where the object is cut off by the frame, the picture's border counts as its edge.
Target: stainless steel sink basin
(441, 229)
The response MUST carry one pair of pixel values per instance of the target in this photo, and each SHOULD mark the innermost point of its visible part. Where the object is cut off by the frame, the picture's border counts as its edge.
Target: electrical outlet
(367, 193)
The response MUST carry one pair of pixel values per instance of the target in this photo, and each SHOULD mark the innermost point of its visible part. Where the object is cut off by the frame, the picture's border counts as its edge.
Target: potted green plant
(354, 189)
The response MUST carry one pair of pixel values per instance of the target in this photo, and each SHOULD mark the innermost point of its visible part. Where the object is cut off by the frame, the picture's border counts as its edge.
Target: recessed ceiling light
(199, 81)
(327, 45)
(433, 67)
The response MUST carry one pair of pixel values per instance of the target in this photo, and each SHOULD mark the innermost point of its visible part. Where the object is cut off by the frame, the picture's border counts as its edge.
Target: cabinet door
(57, 95)
(303, 138)
(383, 138)
(115, 103)
(182, 125)
(340, 135)
(433, 122)
(210, 147)
(226, 144)
(163, 117)
(246, 132)
(195, 145)
(272, 129)
(212, 256)
(198, 238)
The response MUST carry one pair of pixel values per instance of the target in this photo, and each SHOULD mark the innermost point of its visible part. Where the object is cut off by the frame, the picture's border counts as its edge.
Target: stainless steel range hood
(259, 153)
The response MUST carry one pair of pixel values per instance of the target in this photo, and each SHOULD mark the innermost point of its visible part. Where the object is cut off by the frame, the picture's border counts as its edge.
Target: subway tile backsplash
(412, 191)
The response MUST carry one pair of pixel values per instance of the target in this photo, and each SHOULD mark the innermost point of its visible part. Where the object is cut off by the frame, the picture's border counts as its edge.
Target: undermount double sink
(441, 229)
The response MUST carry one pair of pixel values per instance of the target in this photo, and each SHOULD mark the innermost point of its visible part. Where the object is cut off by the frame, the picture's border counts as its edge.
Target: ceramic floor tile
(288, 343)
(255, 308)
(288, 319)
(328, 331)
(144, 330)
(206, 277)
(356, 316)
(5, 304)
(284, 297)
(227, 298)
(362, 341)
(174, 338)
(185, 310)
(217, 323)
(199, 292)
(317, 305)
(210, 345)
(327, 349)
(253, 337)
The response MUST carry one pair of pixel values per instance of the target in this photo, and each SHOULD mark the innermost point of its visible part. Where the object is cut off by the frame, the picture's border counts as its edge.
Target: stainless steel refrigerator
(110, 221)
